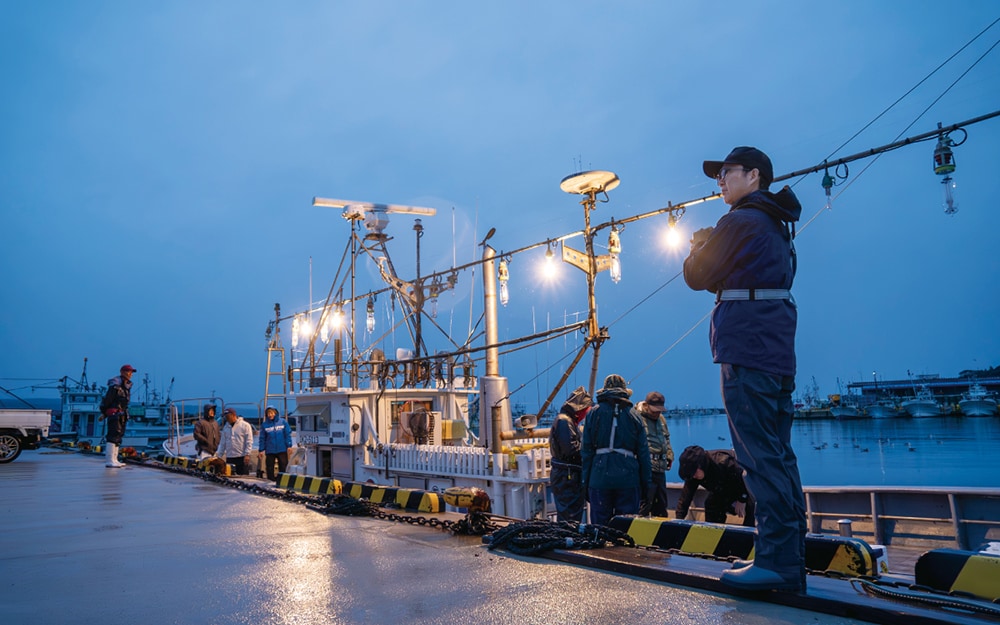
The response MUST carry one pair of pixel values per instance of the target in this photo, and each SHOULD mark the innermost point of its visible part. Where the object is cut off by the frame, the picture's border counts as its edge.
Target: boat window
(313, 418)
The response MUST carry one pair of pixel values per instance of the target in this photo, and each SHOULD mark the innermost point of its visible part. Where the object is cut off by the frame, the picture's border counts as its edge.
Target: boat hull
(978, 407)
(878, 411)
(922, 409)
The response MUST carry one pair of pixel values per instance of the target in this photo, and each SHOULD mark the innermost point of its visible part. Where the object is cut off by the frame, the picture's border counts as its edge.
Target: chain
(474, 523)
(537, 535)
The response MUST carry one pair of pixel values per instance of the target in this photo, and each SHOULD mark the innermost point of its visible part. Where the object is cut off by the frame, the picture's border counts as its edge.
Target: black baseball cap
(751, 158)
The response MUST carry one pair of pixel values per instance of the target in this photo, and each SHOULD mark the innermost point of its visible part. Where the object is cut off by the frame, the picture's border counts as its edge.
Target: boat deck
(86, 544)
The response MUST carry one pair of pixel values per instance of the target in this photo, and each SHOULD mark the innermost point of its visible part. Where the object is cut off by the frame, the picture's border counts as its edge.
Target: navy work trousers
(759, 406)
(605, 503)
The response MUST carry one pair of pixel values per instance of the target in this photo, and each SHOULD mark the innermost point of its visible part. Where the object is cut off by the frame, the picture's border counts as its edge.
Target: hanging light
(673, 236)
(503, 275)
(549, 269)
(944, 165)
(828, 187)
(615, 250)
(370, 314)
(296, 330)
(337, 318)
(324, 330)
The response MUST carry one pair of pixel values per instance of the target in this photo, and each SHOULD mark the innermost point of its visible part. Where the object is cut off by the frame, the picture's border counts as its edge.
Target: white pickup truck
(21, 429)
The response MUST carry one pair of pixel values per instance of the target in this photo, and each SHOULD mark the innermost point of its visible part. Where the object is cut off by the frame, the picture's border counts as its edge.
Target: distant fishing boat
(923, 404)
(977, 402)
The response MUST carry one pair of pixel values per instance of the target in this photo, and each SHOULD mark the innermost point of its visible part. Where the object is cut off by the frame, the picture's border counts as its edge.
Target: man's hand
(670, 463)
(740, 508)
(699, 237)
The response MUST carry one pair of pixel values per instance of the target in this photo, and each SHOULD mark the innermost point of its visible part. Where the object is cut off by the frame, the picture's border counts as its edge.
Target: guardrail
(964, 518)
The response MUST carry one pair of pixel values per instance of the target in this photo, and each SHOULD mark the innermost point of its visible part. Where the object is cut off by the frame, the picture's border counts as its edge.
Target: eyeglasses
(725, 171)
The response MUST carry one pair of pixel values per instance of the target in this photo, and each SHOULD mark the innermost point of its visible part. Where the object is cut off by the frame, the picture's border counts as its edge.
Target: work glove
(739, 508)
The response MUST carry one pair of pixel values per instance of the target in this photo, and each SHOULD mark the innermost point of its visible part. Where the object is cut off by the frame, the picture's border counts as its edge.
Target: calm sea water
(938, 451)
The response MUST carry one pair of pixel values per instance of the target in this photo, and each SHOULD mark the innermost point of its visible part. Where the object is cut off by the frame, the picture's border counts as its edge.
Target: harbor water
(932, 451)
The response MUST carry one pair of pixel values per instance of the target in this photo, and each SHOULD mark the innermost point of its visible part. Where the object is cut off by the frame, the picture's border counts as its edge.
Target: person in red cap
(748, 262)
(114, 412)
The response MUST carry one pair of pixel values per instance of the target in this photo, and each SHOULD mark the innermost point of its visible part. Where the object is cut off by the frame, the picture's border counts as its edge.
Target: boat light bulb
(615, 249)
(944, 165)
(828, 187)
(503, 275)
(370, 315)
(296, 330)
(673, 236)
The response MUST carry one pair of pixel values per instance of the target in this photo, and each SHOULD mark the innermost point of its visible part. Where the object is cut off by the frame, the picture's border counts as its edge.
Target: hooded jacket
(751, 248)
(612, 469)
(275, 436)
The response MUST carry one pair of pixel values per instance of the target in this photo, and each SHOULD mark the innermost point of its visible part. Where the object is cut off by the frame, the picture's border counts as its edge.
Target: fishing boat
(883, 408)
(810, 406)
(923, 404)
(977, 402)
(845, 407)
(436, 413)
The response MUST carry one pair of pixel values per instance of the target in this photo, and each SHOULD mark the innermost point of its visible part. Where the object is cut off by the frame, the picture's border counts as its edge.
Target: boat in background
(811, 406)
(977, 402)
(883, 408)
(845, 407)
(923, 404)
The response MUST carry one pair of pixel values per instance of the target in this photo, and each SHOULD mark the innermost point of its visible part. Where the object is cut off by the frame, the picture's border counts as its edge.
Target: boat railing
(533, 463)
(963, 518)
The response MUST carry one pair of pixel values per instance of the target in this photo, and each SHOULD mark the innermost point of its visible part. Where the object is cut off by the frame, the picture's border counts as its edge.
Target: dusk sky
(158, 162)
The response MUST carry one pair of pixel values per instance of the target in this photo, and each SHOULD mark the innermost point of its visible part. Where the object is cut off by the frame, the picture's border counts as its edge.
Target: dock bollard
(845, 528)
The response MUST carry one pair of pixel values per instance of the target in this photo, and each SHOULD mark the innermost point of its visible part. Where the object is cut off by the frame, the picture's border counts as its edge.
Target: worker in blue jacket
(275, 439)
(748, 262)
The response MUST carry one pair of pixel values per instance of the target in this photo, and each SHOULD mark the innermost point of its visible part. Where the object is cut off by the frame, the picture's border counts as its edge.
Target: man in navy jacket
(748, 262)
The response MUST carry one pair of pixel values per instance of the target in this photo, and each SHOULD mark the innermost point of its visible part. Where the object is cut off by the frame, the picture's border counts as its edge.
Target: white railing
(447, 460)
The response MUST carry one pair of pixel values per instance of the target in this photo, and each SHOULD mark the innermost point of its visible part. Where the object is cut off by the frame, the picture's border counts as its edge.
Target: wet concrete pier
(85, 544)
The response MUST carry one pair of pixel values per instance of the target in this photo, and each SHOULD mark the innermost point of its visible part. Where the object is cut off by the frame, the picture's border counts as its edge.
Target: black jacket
(723, 478)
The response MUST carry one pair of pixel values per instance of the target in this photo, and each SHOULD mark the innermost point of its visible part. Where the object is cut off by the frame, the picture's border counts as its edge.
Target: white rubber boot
(111, 457)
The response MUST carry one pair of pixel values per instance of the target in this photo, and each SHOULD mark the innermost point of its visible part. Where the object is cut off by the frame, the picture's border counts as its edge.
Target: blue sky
(158, 162)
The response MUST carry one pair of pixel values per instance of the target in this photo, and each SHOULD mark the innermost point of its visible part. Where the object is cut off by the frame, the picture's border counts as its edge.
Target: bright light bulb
(324, 331)
(950, 205)
(433, 305)
(503, 275)
(673, 237)
(829, 201)
(296, 330)
(616, 269)
(337, 319)
(370, 315)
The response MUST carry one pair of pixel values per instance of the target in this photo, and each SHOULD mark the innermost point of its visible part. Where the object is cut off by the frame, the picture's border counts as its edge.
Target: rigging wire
(841, 191)
(904, 130)
(914, 88)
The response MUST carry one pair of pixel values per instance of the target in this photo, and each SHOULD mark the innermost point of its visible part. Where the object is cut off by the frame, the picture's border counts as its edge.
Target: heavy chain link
(474, 523)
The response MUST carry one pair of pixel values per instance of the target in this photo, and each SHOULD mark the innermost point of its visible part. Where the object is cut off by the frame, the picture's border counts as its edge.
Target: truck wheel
(10, 447)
